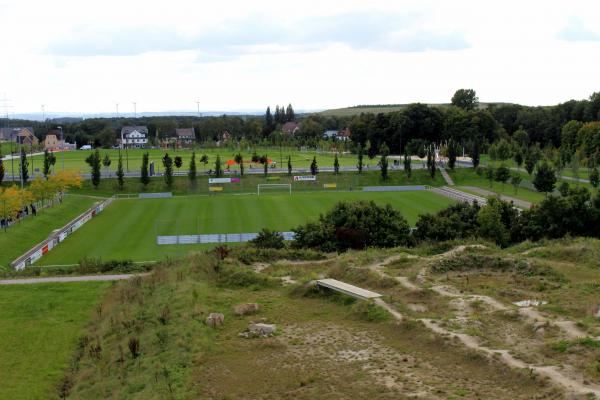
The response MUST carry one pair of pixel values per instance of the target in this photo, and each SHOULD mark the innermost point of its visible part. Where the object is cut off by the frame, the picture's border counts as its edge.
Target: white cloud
(86, 56)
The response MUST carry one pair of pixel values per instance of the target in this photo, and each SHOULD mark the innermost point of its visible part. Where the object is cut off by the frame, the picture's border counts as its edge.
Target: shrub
(134, 347)
(242, 277)
(369, 311)
(268, 239)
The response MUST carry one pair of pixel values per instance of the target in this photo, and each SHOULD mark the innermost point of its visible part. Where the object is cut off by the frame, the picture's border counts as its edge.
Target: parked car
(85, 147)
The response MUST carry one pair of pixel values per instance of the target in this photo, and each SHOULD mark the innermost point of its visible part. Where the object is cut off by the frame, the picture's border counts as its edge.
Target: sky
(87, 56)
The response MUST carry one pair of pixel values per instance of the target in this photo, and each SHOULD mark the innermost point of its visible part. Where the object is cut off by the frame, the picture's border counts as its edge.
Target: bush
(250, 254)
(472, 261)
(268, 239)
(369, 311)
(242, 277)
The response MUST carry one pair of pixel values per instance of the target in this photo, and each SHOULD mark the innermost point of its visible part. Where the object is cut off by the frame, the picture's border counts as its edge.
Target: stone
(597, 315)
(245, 309)
(420, 308)
(215, 319)
(262, 329)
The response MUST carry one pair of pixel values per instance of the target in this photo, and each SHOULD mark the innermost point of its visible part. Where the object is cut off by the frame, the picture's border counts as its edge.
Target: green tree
(218, 167)
(383, 162)
(265, 163)
(452, 150)
(314, 168)
(336, 165)
(239, 160)
(204, 161)
(502, 175)
(545, 178)
(521, 138)
(407, 164)
(490, 175)
(516, 180)
(49, 161)
(94, 162)
(268, 239)
(466, 99)
(531, 160)
(168, 174)
(120, 173)
(192, 171)
(518, 157)
(594, 177)
(178, 162)
(431, 162)
(144, 177)
(361, 154)
(289, 165)
(2, 172)
(475, 153)
(490, 223)
(106, 161)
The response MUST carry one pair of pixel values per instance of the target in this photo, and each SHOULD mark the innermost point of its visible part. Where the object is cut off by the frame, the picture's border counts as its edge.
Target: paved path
(518, 202)
(446, 177)
(86, 278)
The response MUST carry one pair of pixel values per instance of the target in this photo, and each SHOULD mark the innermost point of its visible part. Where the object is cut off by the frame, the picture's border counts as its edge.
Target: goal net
(274, 187)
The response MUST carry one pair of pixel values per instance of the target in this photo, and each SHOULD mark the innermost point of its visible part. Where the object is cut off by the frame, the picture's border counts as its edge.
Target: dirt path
(66, 279)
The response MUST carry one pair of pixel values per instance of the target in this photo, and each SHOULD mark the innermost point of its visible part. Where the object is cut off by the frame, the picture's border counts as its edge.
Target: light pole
(134, 109)
(12, 156)
(62, 139)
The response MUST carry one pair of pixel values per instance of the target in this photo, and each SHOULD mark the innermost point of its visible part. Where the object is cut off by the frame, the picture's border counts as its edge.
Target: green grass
(24, 235)
(132, 158)
(128, 228)
(583, 172)
(40, 327)
(248, 184)
(468, 177)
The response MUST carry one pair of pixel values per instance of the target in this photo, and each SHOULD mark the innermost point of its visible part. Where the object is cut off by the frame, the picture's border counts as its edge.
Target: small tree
(475, 153)
(431, 162)
(518, 157)
(204, 161)
(544, 179)
(265, 162)
(1, 169)
(594, 177)
(178, 162)
(192, 171)
(144, 177)
(336, 165)
(168, 174)
(120, 172)
(239, 160)
(361, 154)
(407, 164)
(93, 161)
(314, 168)
(515, 180)
(451, 154)
(106, 161)
(24, 166)
(490, 175)
(49, 161)
(218, 168)
(502, 175)
(289, 165)
(531, 159)
(268, 239)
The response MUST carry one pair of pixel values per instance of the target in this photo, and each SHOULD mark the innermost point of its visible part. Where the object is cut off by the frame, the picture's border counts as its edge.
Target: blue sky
(236, 55)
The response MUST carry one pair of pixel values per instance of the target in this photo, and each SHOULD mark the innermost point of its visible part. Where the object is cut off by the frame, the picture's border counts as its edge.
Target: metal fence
(163, 195)
(214, 238)
(393, 188)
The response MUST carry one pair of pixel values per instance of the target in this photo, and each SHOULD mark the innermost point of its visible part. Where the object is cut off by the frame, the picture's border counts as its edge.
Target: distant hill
(383, 108)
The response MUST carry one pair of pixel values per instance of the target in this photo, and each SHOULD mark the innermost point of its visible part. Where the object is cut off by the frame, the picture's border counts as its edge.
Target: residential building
(185, 136)
(22, 135)
(343, 134)
(290, 128)
(330, 134)
(134, 136)
(51, 142)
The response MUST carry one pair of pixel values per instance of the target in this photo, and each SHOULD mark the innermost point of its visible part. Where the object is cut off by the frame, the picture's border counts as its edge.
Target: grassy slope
(23, 236)
(127, 229)
(248, 184)
(40, 327)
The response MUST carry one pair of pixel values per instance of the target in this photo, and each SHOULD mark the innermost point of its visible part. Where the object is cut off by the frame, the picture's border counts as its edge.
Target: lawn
(132, 158)
(24, 235)
(128, 228)
(40, 327)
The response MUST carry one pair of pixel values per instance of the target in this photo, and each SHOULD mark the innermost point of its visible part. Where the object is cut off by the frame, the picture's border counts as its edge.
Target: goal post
(269, 186)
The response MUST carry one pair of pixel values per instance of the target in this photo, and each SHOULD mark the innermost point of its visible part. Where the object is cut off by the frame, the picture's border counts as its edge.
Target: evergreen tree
(192, 171)
(94, 162)
(490, 174)
(120, 172)
(361, 154)
(407, 164)
(502, 174)
(475, 153)
(1, 167)
(268, 119)
(289, 165)
(289, 114)
(545, 178)
(314, 168)
(518, 157)
(106, 162)
(218, 167)
(451, 154)
(265, 163)
(383, 162)
(515, 180)
(277, 114)
(336, 165)
(168, 174)
(204, 161)
(594, 177)
(144, 177)
(431, 162)
(239, 159)
(178, 161)
(47, 164)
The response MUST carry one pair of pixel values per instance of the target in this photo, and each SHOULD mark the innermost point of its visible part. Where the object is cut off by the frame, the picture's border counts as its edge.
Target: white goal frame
(288, 185)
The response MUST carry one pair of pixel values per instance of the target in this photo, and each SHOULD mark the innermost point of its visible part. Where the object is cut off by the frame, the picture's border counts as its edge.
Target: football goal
(268, 187)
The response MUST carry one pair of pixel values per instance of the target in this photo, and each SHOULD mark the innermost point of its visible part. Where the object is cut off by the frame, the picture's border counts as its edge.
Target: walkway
(64, 279)
(348, 289)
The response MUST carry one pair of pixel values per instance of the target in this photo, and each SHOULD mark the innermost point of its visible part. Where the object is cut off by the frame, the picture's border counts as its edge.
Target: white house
(134, 136)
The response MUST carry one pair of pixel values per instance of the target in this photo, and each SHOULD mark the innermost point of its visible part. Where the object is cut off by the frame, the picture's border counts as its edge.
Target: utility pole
(134, 109)
(198, 105)
(62, 139)
(117, 110)
(6, 104)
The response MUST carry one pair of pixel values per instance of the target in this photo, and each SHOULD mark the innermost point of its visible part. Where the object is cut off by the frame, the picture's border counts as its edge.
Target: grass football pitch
(128, 228)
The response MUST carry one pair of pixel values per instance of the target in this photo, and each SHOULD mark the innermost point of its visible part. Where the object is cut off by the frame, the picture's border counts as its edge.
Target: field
(41, 325)
(24, 235)
(128, 228)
